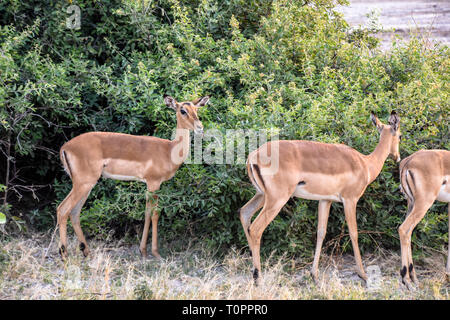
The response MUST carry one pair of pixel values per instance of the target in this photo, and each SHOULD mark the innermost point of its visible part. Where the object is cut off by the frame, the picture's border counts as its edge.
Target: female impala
(316, 171)
(119, 156)
(424, 178)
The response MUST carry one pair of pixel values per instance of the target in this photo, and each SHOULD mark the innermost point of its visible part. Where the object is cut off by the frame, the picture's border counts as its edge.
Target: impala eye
(183, 112)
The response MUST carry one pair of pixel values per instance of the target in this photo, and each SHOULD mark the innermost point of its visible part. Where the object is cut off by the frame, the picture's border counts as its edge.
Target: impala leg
(148, 211)
(417, 213)
(350, 217)
(64, 209)
(270, 210)
(447, 269)
(248, 210)
(323, 212)
(155, 217)
(411, 269)
(75, 218)
(62, 214)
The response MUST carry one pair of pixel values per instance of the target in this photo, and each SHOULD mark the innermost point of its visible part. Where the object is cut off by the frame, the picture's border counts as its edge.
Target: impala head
(392, 130)
(187, 113)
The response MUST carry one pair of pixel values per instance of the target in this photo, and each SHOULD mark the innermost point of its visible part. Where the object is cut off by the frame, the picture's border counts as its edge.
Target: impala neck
(181, 146)
(376, 159)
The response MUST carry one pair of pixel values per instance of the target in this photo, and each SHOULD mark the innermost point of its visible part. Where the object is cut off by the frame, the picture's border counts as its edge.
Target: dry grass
(116, 271)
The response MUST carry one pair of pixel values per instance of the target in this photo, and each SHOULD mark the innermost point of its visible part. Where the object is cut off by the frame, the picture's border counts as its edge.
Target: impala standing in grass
(119, 156)
(315, 171)
(424, 178)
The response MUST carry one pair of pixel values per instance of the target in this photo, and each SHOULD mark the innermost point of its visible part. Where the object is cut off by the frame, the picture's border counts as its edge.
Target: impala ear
(376, 122)
(170, 102)
(201, 101)
(394, 121)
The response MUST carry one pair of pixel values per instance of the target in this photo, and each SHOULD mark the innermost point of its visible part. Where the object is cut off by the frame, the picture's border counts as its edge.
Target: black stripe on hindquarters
(259, 174)
(401, 174)
(407, 184)
(68, 164)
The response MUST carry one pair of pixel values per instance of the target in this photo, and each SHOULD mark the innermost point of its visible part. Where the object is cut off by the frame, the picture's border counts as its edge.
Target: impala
(315, 171)
(119, 156)
(424, 178)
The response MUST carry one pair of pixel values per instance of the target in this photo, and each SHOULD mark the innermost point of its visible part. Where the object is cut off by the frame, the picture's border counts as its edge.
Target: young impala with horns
(424, 178)
(315, 171)
(119, 156)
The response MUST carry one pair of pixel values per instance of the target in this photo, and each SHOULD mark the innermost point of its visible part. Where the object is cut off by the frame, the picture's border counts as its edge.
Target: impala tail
(407, 184)
(65, 162)
(254, 173)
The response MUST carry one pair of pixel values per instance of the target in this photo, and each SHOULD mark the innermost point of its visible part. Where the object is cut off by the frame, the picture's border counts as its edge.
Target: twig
(48, 248)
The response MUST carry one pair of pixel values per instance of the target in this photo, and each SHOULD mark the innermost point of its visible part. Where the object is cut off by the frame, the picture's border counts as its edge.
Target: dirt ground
(403, 17)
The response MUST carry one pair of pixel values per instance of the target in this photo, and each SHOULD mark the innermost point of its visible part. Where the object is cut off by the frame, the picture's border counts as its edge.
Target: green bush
(266, 64)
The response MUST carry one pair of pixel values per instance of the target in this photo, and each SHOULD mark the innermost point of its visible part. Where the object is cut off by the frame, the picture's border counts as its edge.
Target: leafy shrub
(291, 65)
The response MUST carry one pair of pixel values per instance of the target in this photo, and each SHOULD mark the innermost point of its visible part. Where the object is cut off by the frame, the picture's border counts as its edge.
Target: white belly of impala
(300, 192)
(121, 177)
(444, 193)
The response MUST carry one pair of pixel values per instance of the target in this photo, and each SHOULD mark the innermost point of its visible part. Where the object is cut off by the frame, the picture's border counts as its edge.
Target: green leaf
(2, 218)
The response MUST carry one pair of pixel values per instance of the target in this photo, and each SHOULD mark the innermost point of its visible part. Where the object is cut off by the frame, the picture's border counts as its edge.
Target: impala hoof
(412, 274)
(315, 277)
(408, 284)
(363, 276)
(156, 255)
(63, 252)
(84, 249)
(143, 252)
(256, 278)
